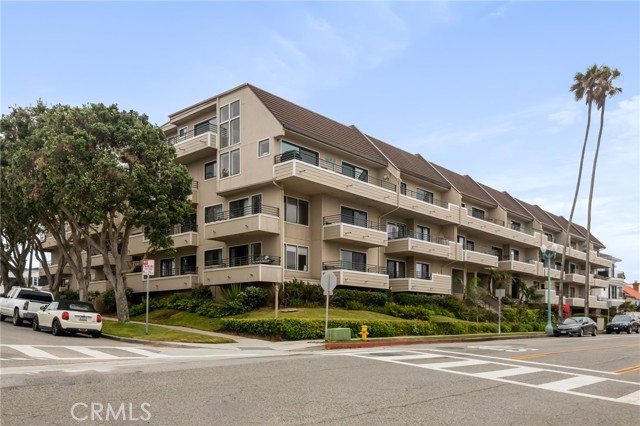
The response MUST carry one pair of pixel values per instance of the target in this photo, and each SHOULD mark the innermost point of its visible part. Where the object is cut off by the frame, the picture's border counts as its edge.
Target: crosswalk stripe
(452, 364)
(507, 373)
(572, 383)
(407, 357)
(33, 352)
(92, 353)
(632, 398)
(143, 352)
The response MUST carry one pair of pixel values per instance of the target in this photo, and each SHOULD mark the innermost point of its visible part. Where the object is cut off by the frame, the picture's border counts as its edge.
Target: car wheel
(2, 317)
(637, 330)
(17, 321)
(56, 328)
(581, 333)
(96, 334)
(629, 330)
(35, 324)
(617, 331)
(595, 332)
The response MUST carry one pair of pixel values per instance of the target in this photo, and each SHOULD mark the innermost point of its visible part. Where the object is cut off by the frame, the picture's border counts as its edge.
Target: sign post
(148, 270)
(500, 294)
(328, 282)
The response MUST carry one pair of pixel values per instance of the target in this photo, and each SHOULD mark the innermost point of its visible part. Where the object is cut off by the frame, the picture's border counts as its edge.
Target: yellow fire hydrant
(364, 332)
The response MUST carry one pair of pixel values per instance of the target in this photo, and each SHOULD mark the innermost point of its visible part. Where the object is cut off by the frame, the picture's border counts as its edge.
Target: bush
(301, 294)
(409, 311)
(68, 295)
(202, 293)
(366, 298)
(109, 299)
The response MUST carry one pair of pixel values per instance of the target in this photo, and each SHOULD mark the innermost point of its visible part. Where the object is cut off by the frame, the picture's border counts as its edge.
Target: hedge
(300, 329)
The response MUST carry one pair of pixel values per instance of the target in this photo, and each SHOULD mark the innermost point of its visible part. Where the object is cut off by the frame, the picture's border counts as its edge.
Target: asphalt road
(542, 381)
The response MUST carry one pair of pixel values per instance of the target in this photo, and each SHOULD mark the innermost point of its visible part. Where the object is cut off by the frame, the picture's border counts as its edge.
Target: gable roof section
(631, 292)
(541, 216)
(466, 185)
(507, 202)
(411, 164)
(308, 123)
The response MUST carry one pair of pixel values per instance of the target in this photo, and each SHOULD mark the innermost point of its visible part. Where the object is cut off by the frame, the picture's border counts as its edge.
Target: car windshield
(621, 318)
(570, 321)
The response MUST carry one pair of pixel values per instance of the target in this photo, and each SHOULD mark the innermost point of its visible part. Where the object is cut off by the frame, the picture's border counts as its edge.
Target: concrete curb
(154, 342)
(418, 341)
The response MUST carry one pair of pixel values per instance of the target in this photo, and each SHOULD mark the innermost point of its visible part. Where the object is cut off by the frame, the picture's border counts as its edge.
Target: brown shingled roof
(319, 127)
(411, 164)
(466, 185)
(507, 202)
(541, 216)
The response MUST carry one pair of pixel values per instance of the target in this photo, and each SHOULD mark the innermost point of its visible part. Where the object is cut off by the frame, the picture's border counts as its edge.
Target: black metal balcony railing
(181, 229)
(521, 228)
(345, 218)
(174, 272)
(312, 159)
(242, 261)
(353, 266)
(425, 198)
(172, 140)
(244, 211)
(418, 236)
(409, 274)
(481, 216)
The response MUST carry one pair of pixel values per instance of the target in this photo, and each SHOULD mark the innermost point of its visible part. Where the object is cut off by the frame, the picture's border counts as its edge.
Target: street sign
(148, 267)
(500, 293)
(328, 282)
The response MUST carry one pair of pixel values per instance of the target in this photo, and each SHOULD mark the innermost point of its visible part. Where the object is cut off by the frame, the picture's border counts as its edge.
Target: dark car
(576, 326)
(625, 323)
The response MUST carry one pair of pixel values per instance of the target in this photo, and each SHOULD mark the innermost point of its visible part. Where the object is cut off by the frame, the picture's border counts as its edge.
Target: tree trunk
(122, 305)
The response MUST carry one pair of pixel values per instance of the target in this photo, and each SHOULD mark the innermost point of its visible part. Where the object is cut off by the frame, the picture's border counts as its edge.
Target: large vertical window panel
(296, 211)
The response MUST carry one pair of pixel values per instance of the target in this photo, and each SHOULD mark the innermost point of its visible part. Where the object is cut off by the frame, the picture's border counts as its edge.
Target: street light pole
(548, 255)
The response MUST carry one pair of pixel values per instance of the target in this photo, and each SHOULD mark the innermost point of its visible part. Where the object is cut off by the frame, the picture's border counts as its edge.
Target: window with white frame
(213, 213)
(515, 255)
(182, 133)
(167, 267)
(471, 245)
(230, 163)
(230, 124)
(210, 170)
(422, 271)
(297, 257)
(423, 233)
(296, 211)
(263, 147)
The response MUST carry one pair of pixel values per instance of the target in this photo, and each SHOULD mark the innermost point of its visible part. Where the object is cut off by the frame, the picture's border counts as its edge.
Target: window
(353, 260)
(549, 236)
(477, 213)
(230, 163)
(572, 268)
(424, 195)
(213, 213)
(353, 217)
(423, 233)
(471, 245)
(296, 211)
(572, 292)
(497, 251)
(182, 133)
(403, 188)
(574, 245)
(190, 225)
(230, 124)
(422, 271)
(167, 267)
(558, 266)
(297, 257)
(461, 240)
(515, 255)
(205, 126)
(291, 152)
(212, 258)
(355, 172)
(396, 230)
(210, 170)
(238, 208)
(256, 204)
(263, 147)
(516, 226)
(395, 269)
(244, 254)
(188, 265)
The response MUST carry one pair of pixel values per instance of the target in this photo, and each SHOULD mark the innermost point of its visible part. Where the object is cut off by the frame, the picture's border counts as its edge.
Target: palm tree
(583, 87)
(604, 89)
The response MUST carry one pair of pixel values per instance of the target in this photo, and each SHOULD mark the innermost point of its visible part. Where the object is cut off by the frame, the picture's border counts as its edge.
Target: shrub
(109, 299)
(366, 298)
(202, 293)
(408, 311)
(68, 295)
(299, 293)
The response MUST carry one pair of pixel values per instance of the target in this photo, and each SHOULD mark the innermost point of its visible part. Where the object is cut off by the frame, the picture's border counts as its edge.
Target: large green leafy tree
(99, 174)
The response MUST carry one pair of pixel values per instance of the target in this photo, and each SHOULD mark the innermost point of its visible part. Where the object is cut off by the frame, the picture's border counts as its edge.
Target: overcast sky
(481, 88)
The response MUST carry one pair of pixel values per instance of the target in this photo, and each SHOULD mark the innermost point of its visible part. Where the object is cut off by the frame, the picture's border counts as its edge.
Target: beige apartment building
(283, 193)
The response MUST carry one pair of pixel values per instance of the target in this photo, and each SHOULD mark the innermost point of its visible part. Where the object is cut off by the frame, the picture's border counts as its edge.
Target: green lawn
(180, 318)
(137, 331)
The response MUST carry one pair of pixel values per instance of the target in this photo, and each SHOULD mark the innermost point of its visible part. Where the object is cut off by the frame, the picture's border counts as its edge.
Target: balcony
(171, 281)
(532, 267)
(53, 269)
(193, 145)
(408, 244)
(318, 176)
(244, 269)
(255, 221)
(184, 235)
(600, 283)
(480, 257)
(545, 299)
(421, 283)
(496, 227)
(357, 274)
(599, 261)
(596, 303)
(428, 206)
(555, 273)
(138, 244)
(575, 277)
(574, 301)
(347, 229)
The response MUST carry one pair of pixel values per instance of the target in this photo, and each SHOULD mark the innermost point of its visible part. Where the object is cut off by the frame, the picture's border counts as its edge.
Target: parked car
(23, 303)
(71, 316)
(623, 323)
(576, 326)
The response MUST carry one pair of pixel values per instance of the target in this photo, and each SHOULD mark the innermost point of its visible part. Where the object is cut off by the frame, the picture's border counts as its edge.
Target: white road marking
(33, 352)
(572, 383)
(143, 352)
(507, 373)
(92, 352)
(632, 398)
(453, 364)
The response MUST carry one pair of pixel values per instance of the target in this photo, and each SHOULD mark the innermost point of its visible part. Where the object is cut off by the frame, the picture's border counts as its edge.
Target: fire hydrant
(364, 332)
